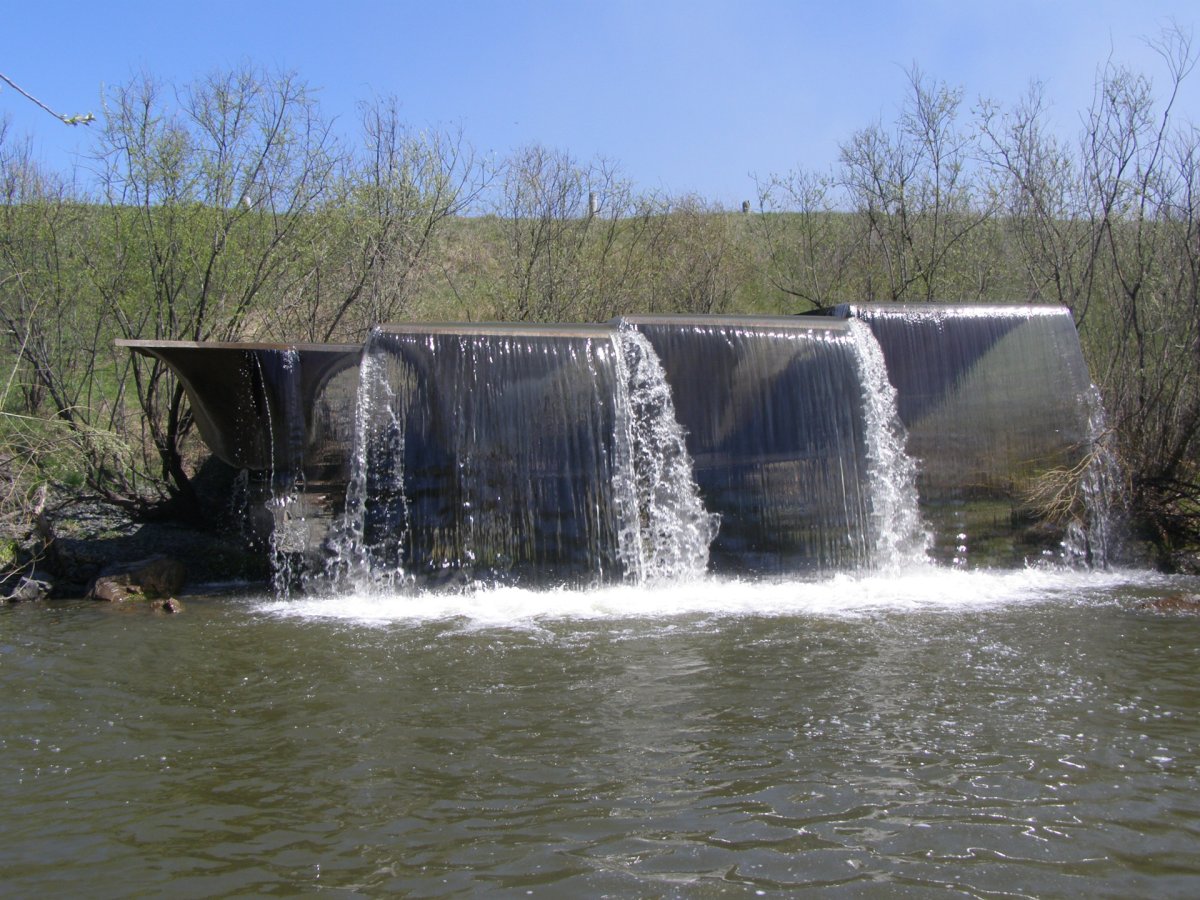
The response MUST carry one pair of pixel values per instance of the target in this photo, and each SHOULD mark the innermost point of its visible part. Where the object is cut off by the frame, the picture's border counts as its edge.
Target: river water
(933, 733)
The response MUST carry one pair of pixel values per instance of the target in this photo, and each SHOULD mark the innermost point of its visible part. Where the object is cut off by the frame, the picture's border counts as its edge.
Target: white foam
(922, 588)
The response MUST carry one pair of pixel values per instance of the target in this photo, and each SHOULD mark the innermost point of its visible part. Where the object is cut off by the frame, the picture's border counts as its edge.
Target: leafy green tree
(61, 396)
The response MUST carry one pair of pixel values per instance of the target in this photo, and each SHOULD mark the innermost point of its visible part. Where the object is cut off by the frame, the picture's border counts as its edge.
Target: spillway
(654, 447)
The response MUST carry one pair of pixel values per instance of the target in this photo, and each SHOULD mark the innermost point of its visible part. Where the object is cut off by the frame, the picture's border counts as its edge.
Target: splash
(921, 590)
(375, 468)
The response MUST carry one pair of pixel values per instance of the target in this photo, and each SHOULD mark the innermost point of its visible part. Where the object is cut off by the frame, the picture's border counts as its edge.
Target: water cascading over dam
(281, 413)
(784, 439)
(653, 447)
(993, 399)
(527, 453)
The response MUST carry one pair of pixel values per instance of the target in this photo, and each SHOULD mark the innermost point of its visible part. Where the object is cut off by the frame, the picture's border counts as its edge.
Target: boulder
(26, 588)
(157, 577)
(1173, 604)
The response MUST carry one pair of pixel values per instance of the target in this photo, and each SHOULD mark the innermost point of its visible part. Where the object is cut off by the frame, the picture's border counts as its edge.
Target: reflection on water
(1021, 733)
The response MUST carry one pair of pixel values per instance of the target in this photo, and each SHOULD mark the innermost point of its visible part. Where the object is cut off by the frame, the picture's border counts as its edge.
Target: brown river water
(935, 733)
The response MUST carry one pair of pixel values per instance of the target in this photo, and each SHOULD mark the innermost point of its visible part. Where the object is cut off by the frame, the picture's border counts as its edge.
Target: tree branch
(85, 119)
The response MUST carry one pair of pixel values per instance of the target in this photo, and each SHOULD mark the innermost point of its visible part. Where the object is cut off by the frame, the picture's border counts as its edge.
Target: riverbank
(75, 540)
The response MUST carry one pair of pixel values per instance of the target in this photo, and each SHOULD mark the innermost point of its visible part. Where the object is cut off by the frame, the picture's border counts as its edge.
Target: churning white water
(921, 588)
(1094, 536)
(351, 564)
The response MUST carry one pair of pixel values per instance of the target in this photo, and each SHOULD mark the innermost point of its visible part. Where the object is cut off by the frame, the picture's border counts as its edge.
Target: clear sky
(685, 95)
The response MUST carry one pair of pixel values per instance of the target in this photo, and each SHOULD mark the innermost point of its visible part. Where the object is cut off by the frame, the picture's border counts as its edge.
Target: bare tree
(913, 187)
(1142, 178)
(208, 189)
(810, 249)
(576, 238)
(383, 219)
(702, 258)
(1044, 202)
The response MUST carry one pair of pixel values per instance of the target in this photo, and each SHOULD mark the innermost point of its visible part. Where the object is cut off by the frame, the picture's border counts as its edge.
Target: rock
(112, 590)
(1174, 604)
(171, 605)
(149, 579)
(26, 589)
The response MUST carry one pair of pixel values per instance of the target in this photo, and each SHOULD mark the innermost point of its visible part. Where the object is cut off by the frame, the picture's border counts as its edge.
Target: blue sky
(696, 96)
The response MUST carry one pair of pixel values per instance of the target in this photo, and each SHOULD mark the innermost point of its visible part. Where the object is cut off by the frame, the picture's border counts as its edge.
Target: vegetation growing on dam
(232, 209)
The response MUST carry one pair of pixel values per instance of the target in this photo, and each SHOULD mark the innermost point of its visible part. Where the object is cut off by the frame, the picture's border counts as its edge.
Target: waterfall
(665, 531)
(898, 534)
(991, 397)
(772, 411)
(516, 454)
(527, 455)
(1096, 531)
(352, 562)
(277, 374)
(635, 451)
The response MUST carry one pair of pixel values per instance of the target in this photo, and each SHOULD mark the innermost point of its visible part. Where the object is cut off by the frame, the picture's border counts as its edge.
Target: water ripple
(1042, 745)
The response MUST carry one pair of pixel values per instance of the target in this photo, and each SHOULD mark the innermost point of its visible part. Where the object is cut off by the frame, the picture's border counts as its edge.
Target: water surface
(940, 733)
